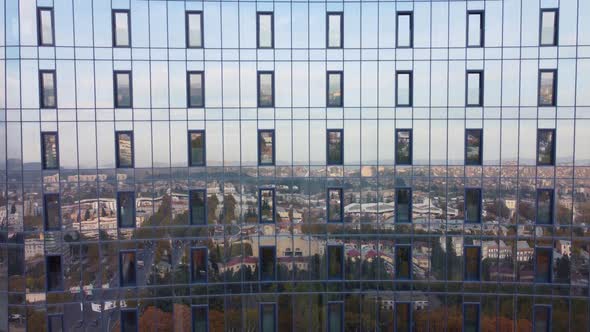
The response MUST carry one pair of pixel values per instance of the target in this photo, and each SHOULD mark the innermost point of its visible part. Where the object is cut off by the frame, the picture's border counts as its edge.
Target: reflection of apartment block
(523, 251)
(564, 247)
(495, 250)
(34, 247)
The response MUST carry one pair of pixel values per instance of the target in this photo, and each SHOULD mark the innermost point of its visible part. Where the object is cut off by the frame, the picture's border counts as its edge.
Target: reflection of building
(524, 252)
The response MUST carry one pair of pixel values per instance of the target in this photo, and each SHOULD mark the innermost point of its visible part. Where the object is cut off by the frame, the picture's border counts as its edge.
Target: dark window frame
(259, 138)
(410, 88)
(117, 148)
(478, 305)
(482, 28)
(193, 280)
(114, 12)
(328, 161)
(119, 219)
(122, 283)
(553, 145)
(190, 206)
(554, 88)
(328, 74)
(551, 206)
(479, 162)
(44, 150)
(411, 156)
(40, 27)
(550, 276)
(396, 204)
(46, 215)
(555, 26)
(410, 263)
(410, 314)
(258, 99)
(199, 306)
(480, 89)
(186, 28)
(411, 15)
(272, 29)
(335, 13)
(465, 249)
(60, 287)
(42, 88)
(190, 153)
(549, 309)
(479, 205)
(116, 88)
(341, 207)
(130, 310)
(50, 316)
(342, 261)
(260, 263)
(342, 319)
(188, 88)
(274, 207)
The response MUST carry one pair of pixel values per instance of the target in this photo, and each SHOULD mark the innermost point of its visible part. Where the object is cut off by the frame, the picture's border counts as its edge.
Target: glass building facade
(294, 165)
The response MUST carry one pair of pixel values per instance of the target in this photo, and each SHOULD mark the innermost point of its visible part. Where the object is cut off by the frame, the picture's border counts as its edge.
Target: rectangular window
(45, 32)
(403, 205)
(268, 317)
(198, 211)
(543, 264)
(121, 30)
(199, 261)
(474, 88)
(335, 262)
(475, 28)
(403, 317)
(128, 267)
(549, 27)
(473, 205)
(126, 209)
(405, 30)
(124, 149)
(544, 206)
(265, 28)
(266, 88)
(547, 87)
(403, 146)
(470, 317)
(335, 317)
(196, 143)
(403, 262)
(334, 89)
(473, 147)
(267, 263)
(195, 89)
(50, 150)
(200, 318)
(55, 323)
(51, 215)
(266, 147)
(266, 205)
(546, 147)
(194, 29)
(542, 318)
(335, 147)
(54, 273)
(472, 267)
(129, 320)
(335, 205)
(48, 97)
(403, 92)
(334, 30)
(123, 89)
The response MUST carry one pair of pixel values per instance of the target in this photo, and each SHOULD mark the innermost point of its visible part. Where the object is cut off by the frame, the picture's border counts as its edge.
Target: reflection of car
(13, 317)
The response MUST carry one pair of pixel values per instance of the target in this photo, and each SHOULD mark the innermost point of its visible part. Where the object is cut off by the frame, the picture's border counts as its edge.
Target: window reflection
(547, 88)
(200, 318)
(123, 98)
(473, 146)
(474, 88)
(335, 262)
(472, 259)
(545, 147)
(54, 273)
(403, 94)
(128, 268)
(45, 26)
(129, 320)
(196, 88)
(403, 317)
(197, 147)
(471, 317)
(475, 28)
(473, 205)
(335, 205)
(55, 323)
(265, 89)
(266, 149)
(335, 89)
(121, 31)
(52, 210)
(124, 147)
(267, 263)
(194, 29)
(403, 147)
(265, 30)
(549, 20)
(335, 317)
(198, 265)
(405, 25)
(403, 262)
(48, 89)
(544, 206)
(266, 203)
(335, 147)
(50, 154)
(334, 30)
(126, 209)
(198, 211)
(403, 205)
(543, 262)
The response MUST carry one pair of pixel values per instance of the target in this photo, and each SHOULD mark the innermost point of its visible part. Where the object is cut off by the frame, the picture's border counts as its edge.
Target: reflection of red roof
(353, 253)
(371, 254)
(240, 260)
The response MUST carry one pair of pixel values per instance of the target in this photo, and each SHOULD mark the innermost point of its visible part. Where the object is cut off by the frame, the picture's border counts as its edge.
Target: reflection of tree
(230, 204)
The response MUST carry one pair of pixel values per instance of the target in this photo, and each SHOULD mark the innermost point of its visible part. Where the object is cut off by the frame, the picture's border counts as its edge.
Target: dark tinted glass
(197, 207)
(403, 263)
(54, 274)
(200, 319)
(52, 212)
(543, 265)
(471, 317)
(199, 265)
(544, 206)
(472, 258)
(403, 209)
(472, 205)
(335, 262)
(126, 209)
(128, 321)
(542, 318)
(55, 323)
(402, 317)
(267, 263)
(335, 319)
(128, 269)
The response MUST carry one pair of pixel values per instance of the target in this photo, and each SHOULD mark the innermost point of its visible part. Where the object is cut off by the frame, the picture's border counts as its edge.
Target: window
(128, 320)
(51, 215)
(334, 30)
(121, 31)
(267, 263)
(403, 205)
(405, 30)
(194, 29)
(123, 89)
(266, 205)
(470, 317)
(124, 147)
(335, 317)
(334, 88)
(50, 150)
(473, 147)
(544, 206)
(54, 273)
(474, 88)
(549, 27)
(335, 205)
(403, 93)
(475, 28)
(547, 87)
(403, 262)
(126, 209)
(266, 87)
(543, 264)
(198, 211)
(195, 89)
(542, 318)
(403, 317)
(199, 265)
(403, 146)
(335, 147)
(265, 28)
(196, 143)
(55, 323)
(268, 319)
(200, 318)
(472, 205)
(128, 268)
(48, 98)
(45, 32)
(546, 147)
(335, 262)
(266, 147)
(472, 259)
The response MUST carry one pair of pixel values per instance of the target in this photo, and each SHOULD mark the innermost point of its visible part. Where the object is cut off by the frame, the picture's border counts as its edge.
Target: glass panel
(197, 148)
(123, 87)
(335, 318)
(473, 147)
(473, 89)
(544, 207)
(545, 145)
(543, 265)
(472, 205)
(402, 317)
(404, 30)
(334, 89)
(542, 319)
(54, 276)
(474, 28)
(335, 205)
(55, 323)
(199, 265)
(48, 90)
(403, 147)
(547, 90)
(403, 89)
(334, 30)
(196, 96)
(267, 206)
(471, 318)
(267, 263)
(402, 262)
(128, 269)
(194, 30)
(265, 90)
(52, 209)
(198, 211)
(335, 147)
(472, 263)
(50, 157)
(126, 209)
(46, 26)
(124, 149)
(548, 25)
(403, 211)
(128, 321)
(121, 29)
(335, 261)
(265, 33)
(266, 147)
(200, 319)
